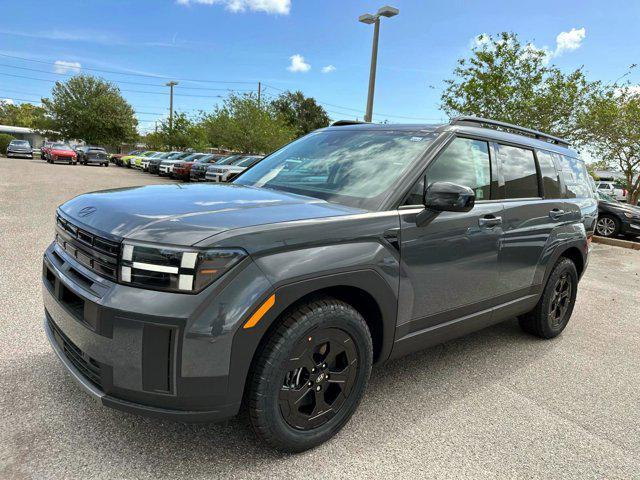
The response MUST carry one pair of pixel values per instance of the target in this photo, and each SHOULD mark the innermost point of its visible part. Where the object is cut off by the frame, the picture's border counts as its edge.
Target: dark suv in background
(352, 245)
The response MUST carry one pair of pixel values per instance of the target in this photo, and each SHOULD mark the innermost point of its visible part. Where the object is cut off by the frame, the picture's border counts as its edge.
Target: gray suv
(277, 293)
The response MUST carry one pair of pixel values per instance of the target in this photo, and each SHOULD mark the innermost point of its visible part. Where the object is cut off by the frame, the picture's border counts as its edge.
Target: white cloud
(328, 69)
(298, 64)
(6, 101)
(61, 66)
(277, 7)
(569, 41)
(565, 42)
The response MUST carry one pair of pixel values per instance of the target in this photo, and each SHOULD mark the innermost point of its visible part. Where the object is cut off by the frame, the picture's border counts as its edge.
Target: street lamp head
(388, 11)
(367, 18)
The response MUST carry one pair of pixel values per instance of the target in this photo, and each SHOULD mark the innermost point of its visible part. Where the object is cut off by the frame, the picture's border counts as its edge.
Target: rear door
(530, 188)
(450, 263)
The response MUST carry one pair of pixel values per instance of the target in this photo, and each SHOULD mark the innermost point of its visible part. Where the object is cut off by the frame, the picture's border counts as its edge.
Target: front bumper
(12, 153)
(155, 353)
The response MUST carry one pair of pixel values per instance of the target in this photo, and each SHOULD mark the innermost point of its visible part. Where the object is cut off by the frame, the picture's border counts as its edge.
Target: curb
(616, 242)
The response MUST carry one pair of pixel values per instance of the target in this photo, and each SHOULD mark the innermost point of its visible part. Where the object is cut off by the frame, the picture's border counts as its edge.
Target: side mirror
(449, 197)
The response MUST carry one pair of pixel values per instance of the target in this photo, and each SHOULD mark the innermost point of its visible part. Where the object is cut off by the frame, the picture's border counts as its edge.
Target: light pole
(171, 84)
(369, 18)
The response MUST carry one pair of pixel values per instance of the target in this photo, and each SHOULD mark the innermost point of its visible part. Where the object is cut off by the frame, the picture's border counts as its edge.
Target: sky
(318, 47)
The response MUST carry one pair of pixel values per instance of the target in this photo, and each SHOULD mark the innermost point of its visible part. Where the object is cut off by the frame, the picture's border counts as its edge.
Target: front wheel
(607, 226)
(310, 376)
(551, 315)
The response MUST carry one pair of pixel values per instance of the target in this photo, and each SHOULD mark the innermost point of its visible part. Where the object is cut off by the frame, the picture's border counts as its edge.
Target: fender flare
(246, 341)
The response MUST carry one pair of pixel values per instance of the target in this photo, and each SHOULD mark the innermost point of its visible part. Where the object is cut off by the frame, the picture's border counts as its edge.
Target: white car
(613, 189)
(225, 173)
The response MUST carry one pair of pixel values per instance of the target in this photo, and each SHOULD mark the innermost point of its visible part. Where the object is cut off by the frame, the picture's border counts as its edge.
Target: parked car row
(188, 166)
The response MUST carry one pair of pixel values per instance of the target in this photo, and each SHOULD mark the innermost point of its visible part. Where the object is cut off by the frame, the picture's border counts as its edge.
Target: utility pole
(259, 92)
(171, 84)
(375, 19)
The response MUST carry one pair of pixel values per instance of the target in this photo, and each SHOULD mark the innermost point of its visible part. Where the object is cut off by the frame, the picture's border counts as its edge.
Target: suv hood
(187, 214)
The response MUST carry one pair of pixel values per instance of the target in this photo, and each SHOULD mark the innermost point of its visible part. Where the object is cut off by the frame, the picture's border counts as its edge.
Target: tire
(607, 226)
(324, 322)
(544, 320)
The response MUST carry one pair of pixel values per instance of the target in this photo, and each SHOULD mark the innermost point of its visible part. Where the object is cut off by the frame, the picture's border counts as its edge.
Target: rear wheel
(310, 376)
(607, 226)
(551, 315)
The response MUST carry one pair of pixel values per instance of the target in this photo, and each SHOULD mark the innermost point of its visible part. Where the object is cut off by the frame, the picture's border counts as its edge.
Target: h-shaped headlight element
(184, 270)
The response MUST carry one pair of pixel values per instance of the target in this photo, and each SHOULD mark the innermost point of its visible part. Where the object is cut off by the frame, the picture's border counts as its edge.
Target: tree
(508, 81)
(245, 125)
(24, 115)
(5, 140)
(185, 133)
(611, 125)
(89, 108)
(302, 113)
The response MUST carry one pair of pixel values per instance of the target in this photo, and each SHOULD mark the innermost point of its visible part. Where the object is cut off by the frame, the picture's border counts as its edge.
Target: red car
(182, 170)
(60, 152)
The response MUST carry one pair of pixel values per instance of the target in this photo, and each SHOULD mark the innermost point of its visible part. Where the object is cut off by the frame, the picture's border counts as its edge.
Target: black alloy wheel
(560, 300)
(320, 376)
(310, 375)
(552, 312)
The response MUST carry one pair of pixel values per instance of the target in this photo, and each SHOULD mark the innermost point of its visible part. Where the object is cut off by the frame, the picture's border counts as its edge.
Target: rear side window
(550, 177)
(519, 171)
(575, 177)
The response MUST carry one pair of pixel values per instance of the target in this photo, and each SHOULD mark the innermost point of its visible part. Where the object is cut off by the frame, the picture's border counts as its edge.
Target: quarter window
(575, 177)
(550, 178)
(519, 172)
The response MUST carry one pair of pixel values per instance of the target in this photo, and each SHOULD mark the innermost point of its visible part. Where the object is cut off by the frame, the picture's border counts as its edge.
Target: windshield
(353, 167)
(61, 146)
(229, 160)
(606, 198)
(97, 149)
(204, 158)
(247, 161)
(20, 143)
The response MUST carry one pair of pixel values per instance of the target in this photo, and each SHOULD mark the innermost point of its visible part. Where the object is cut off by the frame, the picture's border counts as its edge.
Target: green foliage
(506, 80)
(24, 115)
(302, 113)
(5, 139)
(244, 125)
(611, 126)
(91, 109)
(185, 133)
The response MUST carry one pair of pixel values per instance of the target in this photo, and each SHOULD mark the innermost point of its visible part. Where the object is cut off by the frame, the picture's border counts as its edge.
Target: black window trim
(501, 171)
(432, 158)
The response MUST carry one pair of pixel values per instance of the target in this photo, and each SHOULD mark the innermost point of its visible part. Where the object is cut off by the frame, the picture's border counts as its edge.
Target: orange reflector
(264, 308)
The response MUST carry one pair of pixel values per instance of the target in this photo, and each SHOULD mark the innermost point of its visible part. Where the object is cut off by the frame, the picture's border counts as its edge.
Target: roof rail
(342, 123)
(475, 121)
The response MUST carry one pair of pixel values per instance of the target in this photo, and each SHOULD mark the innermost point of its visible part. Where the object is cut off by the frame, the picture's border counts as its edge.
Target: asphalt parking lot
(496, 404)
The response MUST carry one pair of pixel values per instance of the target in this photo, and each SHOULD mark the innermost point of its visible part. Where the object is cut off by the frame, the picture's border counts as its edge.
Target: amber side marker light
(258, 314)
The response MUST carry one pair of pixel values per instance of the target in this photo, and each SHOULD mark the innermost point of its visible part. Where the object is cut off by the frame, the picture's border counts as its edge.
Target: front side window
(355, 167)
(465, 162)
(519, 172)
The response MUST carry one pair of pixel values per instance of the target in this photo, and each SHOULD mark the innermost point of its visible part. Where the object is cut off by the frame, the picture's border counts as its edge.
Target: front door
(450, 263)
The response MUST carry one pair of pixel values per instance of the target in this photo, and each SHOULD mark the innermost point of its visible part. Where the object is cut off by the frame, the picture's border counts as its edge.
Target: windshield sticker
(416, 139)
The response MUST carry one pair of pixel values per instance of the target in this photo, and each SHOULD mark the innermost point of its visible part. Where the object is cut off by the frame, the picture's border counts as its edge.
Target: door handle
(556, 213)
(489, 221)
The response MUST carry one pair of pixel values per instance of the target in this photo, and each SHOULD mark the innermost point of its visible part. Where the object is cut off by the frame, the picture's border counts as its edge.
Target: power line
(119, 81)
(122, 89)
(32, 102)
(116, 72)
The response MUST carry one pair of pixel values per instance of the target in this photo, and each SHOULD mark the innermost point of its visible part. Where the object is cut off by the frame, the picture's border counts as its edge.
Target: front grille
(96, 253)
(89, 367)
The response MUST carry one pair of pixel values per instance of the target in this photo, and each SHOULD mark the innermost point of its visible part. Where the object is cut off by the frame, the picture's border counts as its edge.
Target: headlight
(634, 216)
(184, 270)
